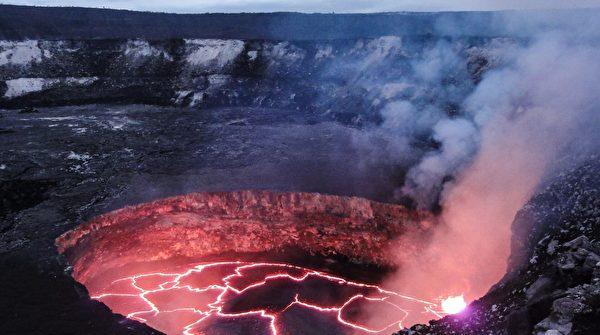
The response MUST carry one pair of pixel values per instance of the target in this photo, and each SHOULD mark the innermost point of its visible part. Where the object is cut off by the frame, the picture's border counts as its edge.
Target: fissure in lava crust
(261, 298)
(216, 263)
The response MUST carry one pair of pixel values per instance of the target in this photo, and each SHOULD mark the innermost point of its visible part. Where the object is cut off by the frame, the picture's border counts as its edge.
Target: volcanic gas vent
(250, 262)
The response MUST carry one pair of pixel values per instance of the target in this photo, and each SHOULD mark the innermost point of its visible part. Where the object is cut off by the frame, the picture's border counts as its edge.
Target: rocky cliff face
(343, 79)
(211, 224)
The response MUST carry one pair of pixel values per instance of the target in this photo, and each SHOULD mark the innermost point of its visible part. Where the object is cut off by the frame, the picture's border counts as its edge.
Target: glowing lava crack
(263, 298)
(150, 263)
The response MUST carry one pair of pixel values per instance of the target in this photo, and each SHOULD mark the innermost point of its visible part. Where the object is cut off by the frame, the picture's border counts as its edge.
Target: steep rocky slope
(553, 284)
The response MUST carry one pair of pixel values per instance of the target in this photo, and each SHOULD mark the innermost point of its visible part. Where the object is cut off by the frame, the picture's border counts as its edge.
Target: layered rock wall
(345, 79)
(204, 224)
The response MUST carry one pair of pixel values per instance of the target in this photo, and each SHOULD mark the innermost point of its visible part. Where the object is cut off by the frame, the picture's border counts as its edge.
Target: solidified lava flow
(251, 262)
(258, 298)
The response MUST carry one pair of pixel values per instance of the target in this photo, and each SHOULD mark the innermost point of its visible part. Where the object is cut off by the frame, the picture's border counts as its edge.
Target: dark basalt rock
(28, 110)
(53, 303)
(17, 195)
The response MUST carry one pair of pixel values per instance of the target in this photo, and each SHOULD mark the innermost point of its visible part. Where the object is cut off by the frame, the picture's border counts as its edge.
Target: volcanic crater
(257, 262)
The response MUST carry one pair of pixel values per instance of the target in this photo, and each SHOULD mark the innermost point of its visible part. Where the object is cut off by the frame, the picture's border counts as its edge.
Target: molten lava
(454, 305)
(241, 246)
(262, 298)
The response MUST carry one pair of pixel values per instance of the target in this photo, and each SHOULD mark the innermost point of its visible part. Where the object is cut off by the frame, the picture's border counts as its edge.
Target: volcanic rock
(28, 110)
(199, 225)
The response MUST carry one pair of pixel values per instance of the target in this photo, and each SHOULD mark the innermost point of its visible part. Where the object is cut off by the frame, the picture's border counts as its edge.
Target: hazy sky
(200, 6)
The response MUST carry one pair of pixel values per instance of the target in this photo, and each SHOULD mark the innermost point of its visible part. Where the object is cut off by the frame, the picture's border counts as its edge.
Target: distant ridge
(30, 22)
(21, 22)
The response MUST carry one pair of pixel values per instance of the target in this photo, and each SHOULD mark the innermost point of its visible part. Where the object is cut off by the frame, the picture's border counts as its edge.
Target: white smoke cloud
(412, 108)
(518, 123)
(459, 139)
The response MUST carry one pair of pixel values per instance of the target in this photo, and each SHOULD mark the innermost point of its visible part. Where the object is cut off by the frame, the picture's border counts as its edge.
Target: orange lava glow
(206, 298)
(454, 305)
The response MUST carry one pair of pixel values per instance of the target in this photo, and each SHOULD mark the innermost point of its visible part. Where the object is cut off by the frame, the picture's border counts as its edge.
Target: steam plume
(518, 121)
